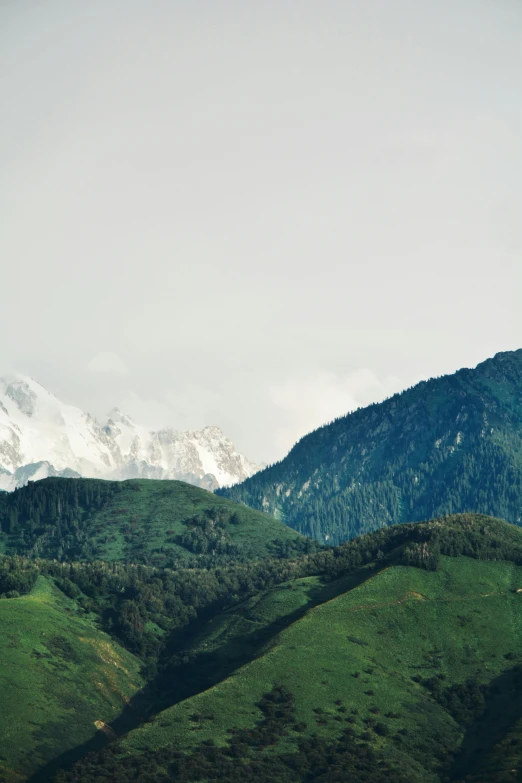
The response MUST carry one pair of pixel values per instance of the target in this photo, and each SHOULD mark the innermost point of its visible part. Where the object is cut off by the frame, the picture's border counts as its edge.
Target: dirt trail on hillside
(412, 596)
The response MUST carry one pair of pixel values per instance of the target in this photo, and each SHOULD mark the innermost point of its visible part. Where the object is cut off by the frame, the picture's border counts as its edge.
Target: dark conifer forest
(448, 445)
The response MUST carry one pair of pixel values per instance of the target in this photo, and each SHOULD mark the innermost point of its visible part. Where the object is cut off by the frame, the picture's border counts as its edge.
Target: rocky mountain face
(41, 436)
(447, 445)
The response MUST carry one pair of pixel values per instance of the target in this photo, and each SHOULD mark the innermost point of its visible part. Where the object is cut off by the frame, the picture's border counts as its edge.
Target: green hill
(61, 679)
(402, 661)
(160, 523)
(448, 445)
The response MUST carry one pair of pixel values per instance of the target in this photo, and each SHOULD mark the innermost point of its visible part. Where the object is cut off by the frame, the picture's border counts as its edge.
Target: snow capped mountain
(41, 436)
(206, 454)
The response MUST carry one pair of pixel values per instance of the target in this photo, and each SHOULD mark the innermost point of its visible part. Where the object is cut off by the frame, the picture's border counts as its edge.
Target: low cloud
(317, 398)
(109, 364)
(148, 412)
(188, 408)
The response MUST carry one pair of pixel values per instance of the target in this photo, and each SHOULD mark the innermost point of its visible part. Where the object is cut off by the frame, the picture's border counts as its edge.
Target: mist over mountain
(42, 436)
(447, 445)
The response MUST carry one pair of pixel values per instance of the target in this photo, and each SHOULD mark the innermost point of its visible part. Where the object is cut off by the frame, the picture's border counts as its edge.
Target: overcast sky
(257, 214)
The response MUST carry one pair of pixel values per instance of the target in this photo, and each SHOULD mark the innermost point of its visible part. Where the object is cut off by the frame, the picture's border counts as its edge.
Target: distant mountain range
(448, 445)
(42, 436)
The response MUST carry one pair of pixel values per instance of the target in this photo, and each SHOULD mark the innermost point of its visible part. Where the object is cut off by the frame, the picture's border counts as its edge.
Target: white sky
(257, 215)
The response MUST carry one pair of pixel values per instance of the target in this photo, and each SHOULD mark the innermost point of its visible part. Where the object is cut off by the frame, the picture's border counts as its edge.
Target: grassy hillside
(365, 648)
(61, 679)
(389, 672)
(448, 445)
(161, 523)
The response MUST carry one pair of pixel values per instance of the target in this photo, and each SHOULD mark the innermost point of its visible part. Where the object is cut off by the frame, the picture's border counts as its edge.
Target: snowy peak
(206, 454)
(117, 417)
(23, 396)
(41, 436)
(128, 436)
(36, 427)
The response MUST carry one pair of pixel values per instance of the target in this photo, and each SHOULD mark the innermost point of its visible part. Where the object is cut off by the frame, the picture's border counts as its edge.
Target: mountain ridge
(41, 436)
(446, 445)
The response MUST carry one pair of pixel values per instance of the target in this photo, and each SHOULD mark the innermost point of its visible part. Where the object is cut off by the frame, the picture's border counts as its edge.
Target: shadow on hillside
(188, 676)
(502, 710)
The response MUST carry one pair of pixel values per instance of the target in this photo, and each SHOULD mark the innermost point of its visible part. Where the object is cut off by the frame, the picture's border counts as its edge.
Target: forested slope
(448, 445)
(159, 523)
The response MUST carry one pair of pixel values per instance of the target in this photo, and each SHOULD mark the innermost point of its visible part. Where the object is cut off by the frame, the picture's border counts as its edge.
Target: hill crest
(160, 523)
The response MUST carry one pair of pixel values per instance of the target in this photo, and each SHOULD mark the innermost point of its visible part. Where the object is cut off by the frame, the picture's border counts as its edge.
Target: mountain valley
(396, 656)
(157, 632)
